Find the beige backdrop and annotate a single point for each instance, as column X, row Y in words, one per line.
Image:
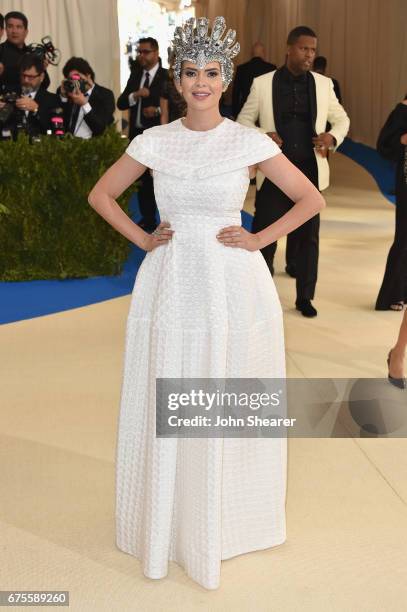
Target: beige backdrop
column 85, row 28
column 365, row 42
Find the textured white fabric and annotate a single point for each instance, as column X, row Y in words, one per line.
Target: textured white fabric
column 199, row 309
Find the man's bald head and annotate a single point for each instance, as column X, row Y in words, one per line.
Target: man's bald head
column 258, row 50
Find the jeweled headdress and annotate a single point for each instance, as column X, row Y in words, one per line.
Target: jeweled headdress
column 196, row 45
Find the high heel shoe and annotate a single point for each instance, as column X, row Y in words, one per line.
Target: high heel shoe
column 397, row 306
column 400, row 383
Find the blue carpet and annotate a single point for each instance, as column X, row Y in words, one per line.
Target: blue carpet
column 382, row 170
column 26, row 300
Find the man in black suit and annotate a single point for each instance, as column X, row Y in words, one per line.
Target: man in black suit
column 12, row 50
column 142, row 97
column 292, row 106
column 35, row 106
column 88, row 107
column 320, row 65
column 245, row 73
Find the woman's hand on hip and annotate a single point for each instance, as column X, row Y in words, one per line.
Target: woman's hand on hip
column 237, row 236
column 161, row 235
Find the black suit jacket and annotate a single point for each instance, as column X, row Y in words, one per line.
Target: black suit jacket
column 10, row 57
column 245, row 73
column 388, row 142
column 133, row 84
column 40, row 121
column 102, row 102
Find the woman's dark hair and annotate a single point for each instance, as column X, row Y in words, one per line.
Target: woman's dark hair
column 1, row 22
column 31, row 60
column 79, row 64
column 299, row 31
column 17, row 15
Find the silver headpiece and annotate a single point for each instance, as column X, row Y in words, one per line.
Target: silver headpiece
column 195, row 45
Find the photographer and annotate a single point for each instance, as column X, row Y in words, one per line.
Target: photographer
column 12, row 50
column 34, row 106
column 88, row 107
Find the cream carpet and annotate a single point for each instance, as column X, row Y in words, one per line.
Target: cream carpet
column 347, row 498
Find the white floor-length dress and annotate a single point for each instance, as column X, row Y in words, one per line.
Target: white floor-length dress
column 199, row 309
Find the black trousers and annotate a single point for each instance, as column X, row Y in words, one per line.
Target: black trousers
column 291, row 250
column 394, row 285
column 303, row 243
column 146, row 197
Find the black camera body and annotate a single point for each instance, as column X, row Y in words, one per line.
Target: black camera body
column 76, row 85
column 9, row 98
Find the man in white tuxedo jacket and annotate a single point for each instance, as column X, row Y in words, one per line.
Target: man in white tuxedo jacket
column 293, row 105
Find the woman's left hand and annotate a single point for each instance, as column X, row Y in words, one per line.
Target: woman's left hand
column 237, row 236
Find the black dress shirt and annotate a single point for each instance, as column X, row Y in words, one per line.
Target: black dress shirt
column 296, row 119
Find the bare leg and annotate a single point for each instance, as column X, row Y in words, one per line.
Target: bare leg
column 399, row 350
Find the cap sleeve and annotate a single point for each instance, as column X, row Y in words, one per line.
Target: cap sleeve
column 140, row 150
column 244, row 147
column 261, row 147
column 170, row 150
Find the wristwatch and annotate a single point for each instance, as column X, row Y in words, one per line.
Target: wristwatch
column 157, row 111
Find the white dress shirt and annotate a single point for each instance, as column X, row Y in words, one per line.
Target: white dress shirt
column 152, row 72
column 31, row 95
column 82, row 130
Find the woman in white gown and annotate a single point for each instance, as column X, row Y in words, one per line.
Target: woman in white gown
column 204, row 305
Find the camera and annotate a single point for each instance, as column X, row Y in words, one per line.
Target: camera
column 75, row 85
column 46, row 50
column 19, row 119
column 10, row 99
column 57, row 123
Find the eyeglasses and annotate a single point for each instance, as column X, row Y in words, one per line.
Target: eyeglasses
column 144, row 51
column 30, row 77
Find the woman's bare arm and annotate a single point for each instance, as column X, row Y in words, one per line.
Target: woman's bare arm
column 308, row 200
column 103, row 199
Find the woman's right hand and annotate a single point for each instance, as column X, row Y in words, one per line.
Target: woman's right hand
column 403, row 139
column 161, row 235
column 277, row 139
